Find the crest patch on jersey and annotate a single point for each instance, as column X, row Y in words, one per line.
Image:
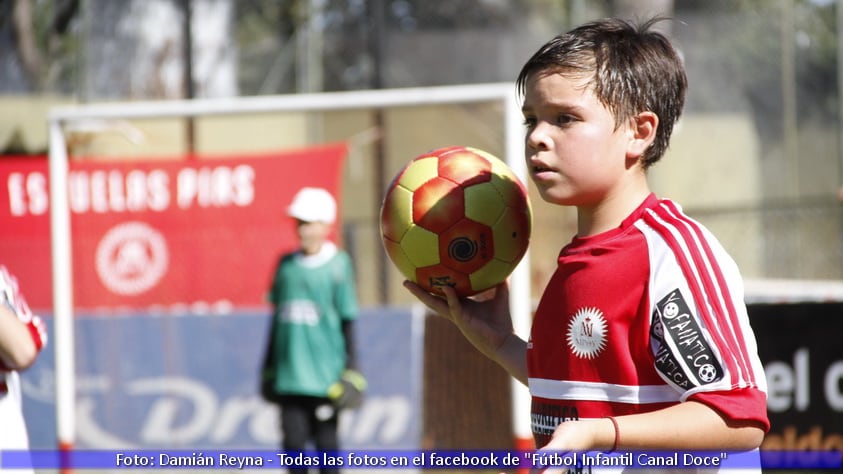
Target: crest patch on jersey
column 587, row 333
column 684, row 356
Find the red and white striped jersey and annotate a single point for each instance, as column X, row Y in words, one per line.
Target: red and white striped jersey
column 639, row 318
column 13, row 434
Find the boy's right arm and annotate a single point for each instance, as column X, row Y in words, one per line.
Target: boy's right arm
column 267, row 369
column 22, row 334
column 486, row 324
column 18, row 348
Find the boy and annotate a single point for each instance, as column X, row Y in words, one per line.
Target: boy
column 641, row 339
column 309, row 363
column 22, row 336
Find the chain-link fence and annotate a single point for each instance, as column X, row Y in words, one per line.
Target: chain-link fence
column 791, row 240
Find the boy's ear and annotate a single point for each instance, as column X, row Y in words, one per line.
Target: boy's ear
column 642, row 133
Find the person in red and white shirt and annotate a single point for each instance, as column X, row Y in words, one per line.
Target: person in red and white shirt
column 22, row 336
column 641, row 340
column 640, row 318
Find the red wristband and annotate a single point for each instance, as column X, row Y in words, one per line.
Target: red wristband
column 617, row 434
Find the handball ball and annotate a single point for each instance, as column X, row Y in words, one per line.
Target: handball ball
column 458, row 217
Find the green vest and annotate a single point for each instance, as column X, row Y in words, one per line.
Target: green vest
column 311, row 295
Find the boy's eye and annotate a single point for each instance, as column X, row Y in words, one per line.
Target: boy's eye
column 564, row 119
column 529, row 122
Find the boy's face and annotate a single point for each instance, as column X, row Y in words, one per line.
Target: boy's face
column 574, row 153
column 311, row 235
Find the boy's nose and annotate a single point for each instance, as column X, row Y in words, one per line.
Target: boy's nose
column 537, row 139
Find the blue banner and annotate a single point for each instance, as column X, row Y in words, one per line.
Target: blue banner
column 150, row 381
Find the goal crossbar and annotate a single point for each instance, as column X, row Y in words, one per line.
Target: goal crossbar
column 381, row 98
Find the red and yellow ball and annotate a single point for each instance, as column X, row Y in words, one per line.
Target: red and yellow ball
column 456, row 216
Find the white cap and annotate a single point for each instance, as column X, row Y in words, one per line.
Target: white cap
column 313, row 205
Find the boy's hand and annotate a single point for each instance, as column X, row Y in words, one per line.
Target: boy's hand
column 347, row 392
column 576, row 436
column 486, row 324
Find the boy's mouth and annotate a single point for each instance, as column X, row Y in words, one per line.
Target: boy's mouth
column 537, row 168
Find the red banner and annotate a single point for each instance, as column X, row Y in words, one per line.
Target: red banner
column 200, row 234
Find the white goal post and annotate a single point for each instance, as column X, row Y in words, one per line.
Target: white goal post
column 60, row 117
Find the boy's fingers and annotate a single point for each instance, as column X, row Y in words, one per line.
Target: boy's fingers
column 451, row 297
column 433, row 302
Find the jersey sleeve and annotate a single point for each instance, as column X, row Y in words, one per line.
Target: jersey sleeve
column 12, row 299
column 702, row 343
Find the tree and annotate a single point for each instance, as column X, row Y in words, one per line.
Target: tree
column 37, row 42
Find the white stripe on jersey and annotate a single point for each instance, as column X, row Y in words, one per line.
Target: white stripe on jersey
column 605, row 392
column 670, row 272
column 710, row 282
column 715, row 285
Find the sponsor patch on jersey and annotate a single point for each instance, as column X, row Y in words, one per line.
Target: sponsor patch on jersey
column 546, row 417
column 684, row 355
column 587, row 333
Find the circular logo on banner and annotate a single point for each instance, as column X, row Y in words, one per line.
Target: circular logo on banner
column 131, row 258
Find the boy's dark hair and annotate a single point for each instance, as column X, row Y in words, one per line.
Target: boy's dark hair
column 634, row 70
